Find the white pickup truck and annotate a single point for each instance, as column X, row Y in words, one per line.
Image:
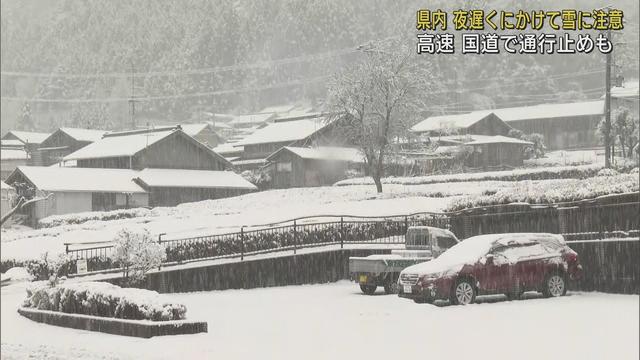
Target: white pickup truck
column 422, row 243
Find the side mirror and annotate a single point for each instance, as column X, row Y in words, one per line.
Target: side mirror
column 489, row 259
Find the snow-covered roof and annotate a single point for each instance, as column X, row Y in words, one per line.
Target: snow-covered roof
column 630, row 89
column 296, row 114
column 496, row 139
column 80, row 179
column 120, row 145
column 251, row 119
column 227, row 148
column 287, row 131
column 545, row 111
column 28, row 137
column 89, row 135
column 194, row 129
column 13, row 154
column 324, row 153
column 250, row 162
column 278, row 109
column 458, row 121
column 15, row 143
column 5, row 186
column 193, row 179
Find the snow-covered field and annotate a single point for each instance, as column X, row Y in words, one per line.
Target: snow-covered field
column 335, row 321
column 227, row 215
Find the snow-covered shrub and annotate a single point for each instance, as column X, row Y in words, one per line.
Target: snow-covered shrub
column 551, row 191
column 259, row 178
column 79, row 218
column 45, row 268
column 137, row 252
column 103, row 299
column 607, row 172
column 635, row 171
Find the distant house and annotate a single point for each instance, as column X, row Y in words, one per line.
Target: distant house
column 476, row 122
column 626, row 96
column 63, row 142
column 77, row 189
column 166, row 148
column 251, row 120
column 488, row 151
column 564, row 126
column 7, row 196
column 229, row 152
column 303, row 167
column 10, row 159
column 204, row 133
column 31, row 140
column 170, row 187
column 273, row 137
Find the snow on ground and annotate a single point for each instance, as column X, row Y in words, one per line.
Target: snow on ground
column 227, row 215
column 335, row 321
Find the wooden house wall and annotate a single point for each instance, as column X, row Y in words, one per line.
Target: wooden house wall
column 209, row 137
column 261, row 151
column 308, row 172
column 496, row 155
column 177, row 152
column 172, row 196
column 564, row 133
column 122, row 162
column 491, row 125
column 288, row 179
column 57, row 139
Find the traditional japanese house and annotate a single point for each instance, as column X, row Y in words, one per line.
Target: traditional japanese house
column 166, row 148
column 73, row 190
column 564, row 126
column 63, row 142
column 488, row 152
column 303, row 167
column 30, row 139
column 476, row 122
column 170, row 187
column 10, row 159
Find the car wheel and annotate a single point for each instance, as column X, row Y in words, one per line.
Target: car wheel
column 391, row 287
column 368, row 289
column 554, row 285
column 464, row 293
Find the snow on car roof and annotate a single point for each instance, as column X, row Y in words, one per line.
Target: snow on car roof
column 288, row 131
column 81, row 179
column 470, row 250
column 457, row 121
column 193, row 179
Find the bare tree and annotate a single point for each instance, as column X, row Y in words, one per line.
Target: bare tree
column 377, row 100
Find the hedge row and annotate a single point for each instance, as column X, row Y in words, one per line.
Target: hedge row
column 284, row 237
column 79, row 218
column 560, row 172
column 550, row 192
column 103, row 299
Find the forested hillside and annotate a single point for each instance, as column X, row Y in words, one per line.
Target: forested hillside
column 241, row 55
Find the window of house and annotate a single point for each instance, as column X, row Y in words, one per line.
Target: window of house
column 283, row 167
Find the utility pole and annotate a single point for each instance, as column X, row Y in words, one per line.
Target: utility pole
column 607, row 109
column 132, row 100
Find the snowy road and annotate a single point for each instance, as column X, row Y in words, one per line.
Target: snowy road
column 334, row 321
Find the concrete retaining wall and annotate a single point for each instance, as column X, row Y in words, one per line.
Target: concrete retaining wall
column 137, row 328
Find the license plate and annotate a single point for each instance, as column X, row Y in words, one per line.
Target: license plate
column 363, row 279
column 407, row 289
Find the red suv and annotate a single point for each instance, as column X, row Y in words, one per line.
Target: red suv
column 493, row 264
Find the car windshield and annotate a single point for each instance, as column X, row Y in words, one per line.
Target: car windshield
column 467, row 251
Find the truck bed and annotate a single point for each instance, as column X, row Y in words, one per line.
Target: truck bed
column 377, row 264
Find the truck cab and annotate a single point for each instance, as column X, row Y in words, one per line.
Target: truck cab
column 422, row 243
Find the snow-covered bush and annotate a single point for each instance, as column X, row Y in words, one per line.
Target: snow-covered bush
column 259, row 178
column 607, row 172
column 79, row 218
column 47, row 268
column 136, row 252
column 635, row 171
column 560, row 172
column 551, row 191
column 103, row 299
